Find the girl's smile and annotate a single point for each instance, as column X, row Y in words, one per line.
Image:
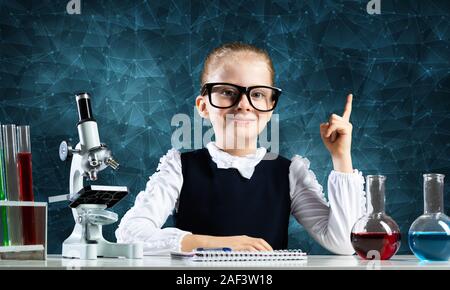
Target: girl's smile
column 240, row 119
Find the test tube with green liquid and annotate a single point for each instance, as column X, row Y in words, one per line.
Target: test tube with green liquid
column 4, row 233
column 12, row 183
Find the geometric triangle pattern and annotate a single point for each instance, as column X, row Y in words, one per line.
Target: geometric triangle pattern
column 141, row 62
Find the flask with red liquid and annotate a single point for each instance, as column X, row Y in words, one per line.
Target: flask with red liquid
column 375, row 235
column 24, row 169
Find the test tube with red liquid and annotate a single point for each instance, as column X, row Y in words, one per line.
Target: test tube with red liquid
column 24, row 169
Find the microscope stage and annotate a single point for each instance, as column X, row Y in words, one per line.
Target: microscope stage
column 99, row 194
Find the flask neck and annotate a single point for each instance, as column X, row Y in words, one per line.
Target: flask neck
column 375, row 190
column 433, row 193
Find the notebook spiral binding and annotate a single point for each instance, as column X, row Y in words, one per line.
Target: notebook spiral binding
column 277, row 255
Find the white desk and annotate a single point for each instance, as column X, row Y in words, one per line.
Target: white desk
column 165, row 262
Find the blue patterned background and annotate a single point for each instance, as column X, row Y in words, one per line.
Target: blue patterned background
column 141, row 62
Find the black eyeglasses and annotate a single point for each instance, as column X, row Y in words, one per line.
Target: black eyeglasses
column 226, row 95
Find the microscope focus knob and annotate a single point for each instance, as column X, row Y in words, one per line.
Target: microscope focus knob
column 65, row 151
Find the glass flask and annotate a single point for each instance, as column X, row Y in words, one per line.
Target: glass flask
column 429, row 235
column 375, row 235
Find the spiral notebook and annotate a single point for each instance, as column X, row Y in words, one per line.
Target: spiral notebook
column 221, row 255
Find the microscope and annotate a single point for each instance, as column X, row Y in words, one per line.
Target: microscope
column 89, row 203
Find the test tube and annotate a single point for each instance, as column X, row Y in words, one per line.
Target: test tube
column 4, row 233
column 24, row 164
column 26, row 183
column 10, row 143
column 12, row 182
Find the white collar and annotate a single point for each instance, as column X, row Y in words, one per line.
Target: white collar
column 244, row 164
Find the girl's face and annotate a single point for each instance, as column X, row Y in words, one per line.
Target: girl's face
column 237, row 127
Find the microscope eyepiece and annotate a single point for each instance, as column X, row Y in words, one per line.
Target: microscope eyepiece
column 84, row 107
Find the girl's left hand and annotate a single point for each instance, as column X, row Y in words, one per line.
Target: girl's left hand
column 337, row 132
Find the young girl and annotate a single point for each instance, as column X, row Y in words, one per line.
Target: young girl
column 234, row 194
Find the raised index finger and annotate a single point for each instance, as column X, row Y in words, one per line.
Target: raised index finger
column 348, row 108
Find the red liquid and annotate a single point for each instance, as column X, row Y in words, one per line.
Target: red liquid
column 386, row 245
column 25, row 176
column 26, row 194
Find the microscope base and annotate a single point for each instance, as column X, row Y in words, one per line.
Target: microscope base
column 87, row 242
column 103, row 248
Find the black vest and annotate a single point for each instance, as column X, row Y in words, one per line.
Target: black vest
column 220, row 202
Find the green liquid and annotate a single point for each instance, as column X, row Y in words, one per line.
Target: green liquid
column 3, row 211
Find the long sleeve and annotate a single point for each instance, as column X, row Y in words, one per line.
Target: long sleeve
column 143, row 222
column 329, row 223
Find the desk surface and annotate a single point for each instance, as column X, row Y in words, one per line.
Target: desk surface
column 166, row 262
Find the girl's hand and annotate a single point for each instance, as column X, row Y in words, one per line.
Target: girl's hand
column 337, row 136
column 237, row 243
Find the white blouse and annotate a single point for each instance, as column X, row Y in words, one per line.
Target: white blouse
column 329, row 223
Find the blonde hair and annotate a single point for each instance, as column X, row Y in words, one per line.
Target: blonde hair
column 231, row 49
